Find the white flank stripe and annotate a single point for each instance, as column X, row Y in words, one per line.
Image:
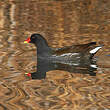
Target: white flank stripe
column 95, row 50
column 94, row 66
column 66, row 54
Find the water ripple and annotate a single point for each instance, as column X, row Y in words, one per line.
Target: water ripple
column 62, row 23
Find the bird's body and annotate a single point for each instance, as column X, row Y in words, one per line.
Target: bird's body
column 74, row 53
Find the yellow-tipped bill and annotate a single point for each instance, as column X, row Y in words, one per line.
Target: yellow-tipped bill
column 28, row 74
column 25, row 42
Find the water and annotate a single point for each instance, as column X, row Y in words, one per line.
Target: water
column 62, row 23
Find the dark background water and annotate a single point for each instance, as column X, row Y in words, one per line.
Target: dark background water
column 62, row 23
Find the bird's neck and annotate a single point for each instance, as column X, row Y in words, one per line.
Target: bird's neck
column 43, row 49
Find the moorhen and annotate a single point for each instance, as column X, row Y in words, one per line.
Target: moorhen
column 74, row 53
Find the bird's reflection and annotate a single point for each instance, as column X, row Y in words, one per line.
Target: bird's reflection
column 43, row 66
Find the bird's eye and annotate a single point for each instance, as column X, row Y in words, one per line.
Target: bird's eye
column 33, row 37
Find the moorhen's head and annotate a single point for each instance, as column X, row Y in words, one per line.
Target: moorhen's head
column 40, row 42
column 35, row 38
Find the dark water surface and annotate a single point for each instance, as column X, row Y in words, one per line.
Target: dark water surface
column 62, row 23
